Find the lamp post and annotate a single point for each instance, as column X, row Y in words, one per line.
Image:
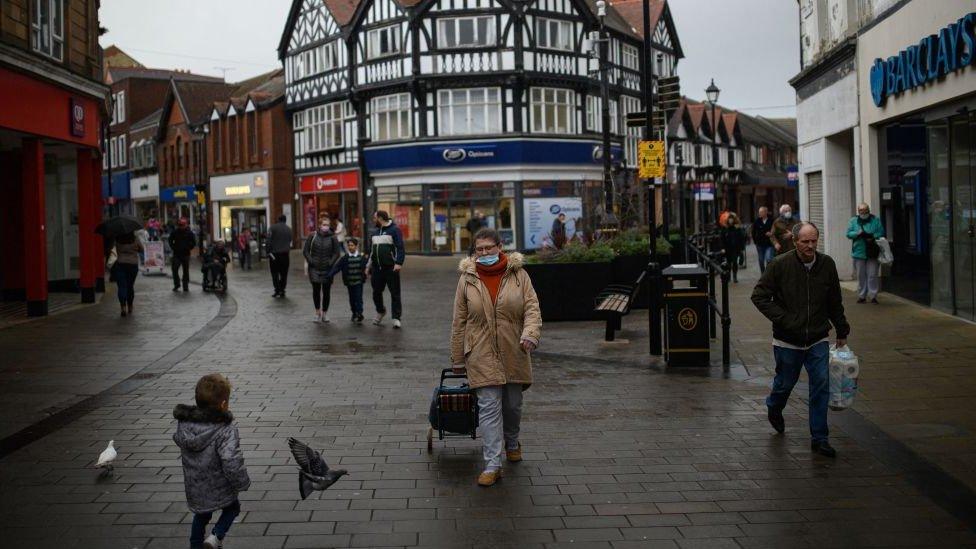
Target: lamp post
column 653, row 267
column 711, row 92
column 609, row 217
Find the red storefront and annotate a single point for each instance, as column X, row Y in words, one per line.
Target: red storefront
column 335, row 193
column 50, row 173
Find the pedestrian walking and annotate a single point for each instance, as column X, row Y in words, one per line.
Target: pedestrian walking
column 339, row 228
column 475, row 224
column 864, row 230
column 733, row 243
column 321, row 251
column 353, row 268
column 497, row 324
column 244, row 249
column 386, row 258
column 279, row 246
column 126, row 269
column 782, row 233
column 182, row 242
column 762, row 229
column 213, row 464
column 800, row 294
column 558, row 231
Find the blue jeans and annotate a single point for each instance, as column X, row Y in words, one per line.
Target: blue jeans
column 789, row 362
column 125, row 277
column 765, row 256
column 200, row 521
column 356, row 298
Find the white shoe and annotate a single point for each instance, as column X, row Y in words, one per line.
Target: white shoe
column 212, row 542
column 325, row 318
column 379, row 319
column 396, row 323
column 318, row 317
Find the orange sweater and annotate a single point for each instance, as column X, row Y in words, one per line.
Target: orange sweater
column 492, row 276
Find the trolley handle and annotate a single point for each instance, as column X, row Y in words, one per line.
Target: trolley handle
column 448, row 373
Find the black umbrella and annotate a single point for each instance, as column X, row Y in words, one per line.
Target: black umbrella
column 123, row 224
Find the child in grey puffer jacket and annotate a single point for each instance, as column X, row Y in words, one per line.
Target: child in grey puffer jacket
column 213, row 464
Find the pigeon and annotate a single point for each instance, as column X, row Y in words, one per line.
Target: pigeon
column 107, row 457
column 315, row 473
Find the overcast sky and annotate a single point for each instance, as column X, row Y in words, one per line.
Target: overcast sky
column 750, row 47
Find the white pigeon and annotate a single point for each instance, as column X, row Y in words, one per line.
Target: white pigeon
column 107, row 457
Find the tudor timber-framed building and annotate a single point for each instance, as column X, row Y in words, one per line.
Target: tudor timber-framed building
column 435, row 110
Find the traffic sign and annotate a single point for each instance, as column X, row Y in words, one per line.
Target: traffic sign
column 650, row 159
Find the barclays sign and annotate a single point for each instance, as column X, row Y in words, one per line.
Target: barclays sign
column 934, row 57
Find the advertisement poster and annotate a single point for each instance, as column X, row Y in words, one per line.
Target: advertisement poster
column 308, row 214
column 155, row 260
column 539, row 214
column 401, row 216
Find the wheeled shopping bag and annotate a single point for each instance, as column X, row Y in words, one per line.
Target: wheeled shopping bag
column 453, row 409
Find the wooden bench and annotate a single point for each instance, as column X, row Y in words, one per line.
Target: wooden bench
column 614, row 302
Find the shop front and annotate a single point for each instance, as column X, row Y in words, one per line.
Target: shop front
column 918, row 125
column 144, row 192
column 440, row 193
column 118, row 193
column 178, row 202
column 240, row 201
column 332, row 193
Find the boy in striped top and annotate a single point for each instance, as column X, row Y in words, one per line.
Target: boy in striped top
column 353, row 267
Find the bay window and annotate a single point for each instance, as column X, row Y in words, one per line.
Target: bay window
column 469, row 111
column 631, row 58
column 553, row 110
column 553, row 34
column 391, row 117
column 321, row 127
column 466, row 32
column 384, row 41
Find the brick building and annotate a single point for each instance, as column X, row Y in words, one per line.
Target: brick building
column 249, row 158
column 51, row 110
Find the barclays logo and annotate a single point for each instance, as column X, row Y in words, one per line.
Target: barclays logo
column 454, row 155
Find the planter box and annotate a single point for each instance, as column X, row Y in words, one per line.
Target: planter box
column 626, row 269
column 566, row 290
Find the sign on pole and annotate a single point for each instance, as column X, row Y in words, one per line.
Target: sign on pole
column 650, row 159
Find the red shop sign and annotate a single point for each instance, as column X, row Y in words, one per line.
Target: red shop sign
column 329, row 182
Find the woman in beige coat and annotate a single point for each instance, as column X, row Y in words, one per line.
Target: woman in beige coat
column 497, row 325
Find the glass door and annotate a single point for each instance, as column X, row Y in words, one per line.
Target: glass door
column 940, row 217
column 964, row 216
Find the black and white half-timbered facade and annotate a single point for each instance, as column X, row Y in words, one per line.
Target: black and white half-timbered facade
column 440, row 110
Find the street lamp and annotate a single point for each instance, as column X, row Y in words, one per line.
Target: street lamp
column 609, row 217
column 711, row 92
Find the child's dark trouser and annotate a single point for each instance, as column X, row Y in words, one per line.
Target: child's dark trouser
column 356, row 298
column 200, row 521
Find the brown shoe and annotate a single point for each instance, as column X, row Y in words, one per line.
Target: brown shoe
column 515, row 455
column 488, row 478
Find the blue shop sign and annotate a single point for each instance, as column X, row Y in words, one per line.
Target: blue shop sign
column 178, row 194
column 792, row 176
column 934, row 57
column 120, row 185
column 491, row 153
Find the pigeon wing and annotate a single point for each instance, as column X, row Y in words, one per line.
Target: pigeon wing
column 308, row 459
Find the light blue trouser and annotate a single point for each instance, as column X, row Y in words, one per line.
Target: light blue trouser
column 867, row 277
column 499, row 416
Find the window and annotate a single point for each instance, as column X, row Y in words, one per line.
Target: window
column 631, row 57
column 594, row 114
column 553, row 34
column 731, row 159
column 150, row 154
column 466, row 32
column 120, row 107
column 321, row 127
column 470, row 111
column 122, row 150
column 384, row 41
column 314, row 61
column 47, row 28
column 218, row 142
column 391, row 117
column 252, row 134
column 553, row 110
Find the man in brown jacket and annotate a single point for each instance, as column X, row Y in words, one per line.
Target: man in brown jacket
column 782, row 233
column 497, row 324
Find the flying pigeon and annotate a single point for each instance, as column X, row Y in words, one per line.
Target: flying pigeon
column 107, row 457
column 315, row 473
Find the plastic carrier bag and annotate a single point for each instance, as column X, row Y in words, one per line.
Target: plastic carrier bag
column 843, row 371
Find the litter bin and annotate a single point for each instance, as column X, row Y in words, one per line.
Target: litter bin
column 686, row 310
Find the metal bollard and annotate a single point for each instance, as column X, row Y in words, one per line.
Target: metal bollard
column 726, row 321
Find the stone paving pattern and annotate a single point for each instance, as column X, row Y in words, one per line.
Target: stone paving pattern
column 618, row 452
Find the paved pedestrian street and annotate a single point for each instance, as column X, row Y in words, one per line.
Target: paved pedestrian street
column 619, row 451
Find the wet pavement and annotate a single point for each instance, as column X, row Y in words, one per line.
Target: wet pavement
column 619, row 452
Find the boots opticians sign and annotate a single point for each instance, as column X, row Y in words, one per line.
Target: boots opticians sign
column 934, row 57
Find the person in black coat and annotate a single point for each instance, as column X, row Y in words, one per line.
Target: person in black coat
column 181, row 242
column 733, row 243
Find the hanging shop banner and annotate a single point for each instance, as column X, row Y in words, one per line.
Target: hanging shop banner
column 704, row 192
column 329, row 182
column 155, row 260
column 539, row 215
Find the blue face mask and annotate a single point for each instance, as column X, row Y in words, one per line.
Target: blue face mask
column 488, row 260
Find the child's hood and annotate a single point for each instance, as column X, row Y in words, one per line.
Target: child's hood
column 198, row 426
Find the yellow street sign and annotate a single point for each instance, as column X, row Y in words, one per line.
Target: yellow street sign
column 650, row 159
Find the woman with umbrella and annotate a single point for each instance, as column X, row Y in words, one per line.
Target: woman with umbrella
column 125, row 265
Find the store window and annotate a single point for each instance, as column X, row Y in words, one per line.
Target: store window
column 466, row 32
column 383, row 42
column 47, row 28
column 553, row 34
column 391, row 117
column 469, row 111
column 553, row 110
column 405, row 206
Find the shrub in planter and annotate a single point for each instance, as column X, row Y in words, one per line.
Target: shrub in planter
column 568, row 280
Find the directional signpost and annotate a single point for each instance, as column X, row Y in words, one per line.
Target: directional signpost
column 651, row 162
